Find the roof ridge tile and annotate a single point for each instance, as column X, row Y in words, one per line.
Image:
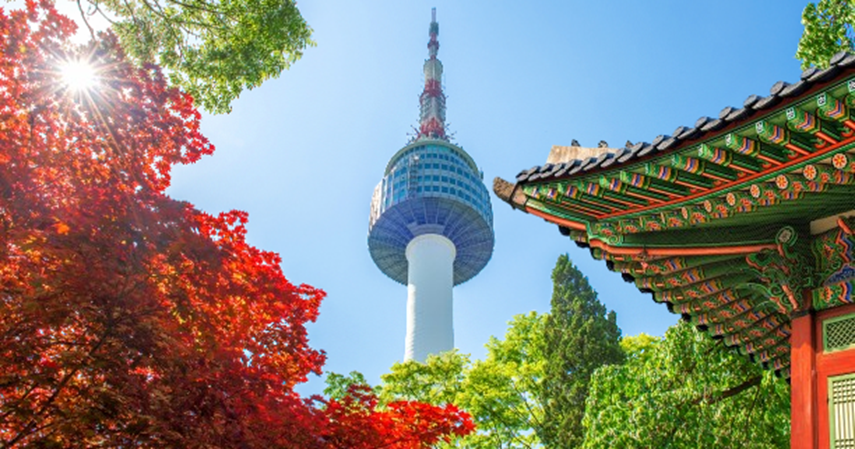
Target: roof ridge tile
column 659, row 139
column 751, row 100
column 809, row 72
column 737, row 114
column 838, row 57
column 849, row 60
column 713, row 125
column 722, row 115
column 794, row 89
column 778, row 87
column 699, row 123
column 824, row 74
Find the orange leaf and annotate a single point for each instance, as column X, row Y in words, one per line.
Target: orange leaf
column 62, row 228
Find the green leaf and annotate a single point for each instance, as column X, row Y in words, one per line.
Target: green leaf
column 828, row 30
column 212, row 49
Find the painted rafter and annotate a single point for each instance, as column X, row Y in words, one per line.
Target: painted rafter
column 689, row 276
column 667, row 265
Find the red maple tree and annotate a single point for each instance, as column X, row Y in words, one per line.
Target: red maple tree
column 130, row 319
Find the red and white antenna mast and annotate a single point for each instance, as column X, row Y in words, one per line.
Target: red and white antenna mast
column 432, row 100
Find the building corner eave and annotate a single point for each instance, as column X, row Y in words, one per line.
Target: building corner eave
column 509, row 193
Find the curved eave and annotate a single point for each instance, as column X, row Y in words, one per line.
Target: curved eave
column 695, row 218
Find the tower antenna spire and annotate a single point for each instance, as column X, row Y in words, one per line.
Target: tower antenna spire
column 432, row 99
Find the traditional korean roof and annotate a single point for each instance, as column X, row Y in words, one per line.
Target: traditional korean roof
column 715, row 220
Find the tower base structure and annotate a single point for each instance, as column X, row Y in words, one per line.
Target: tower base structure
column 429, row 296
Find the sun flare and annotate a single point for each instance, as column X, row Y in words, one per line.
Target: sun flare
column 78, row 75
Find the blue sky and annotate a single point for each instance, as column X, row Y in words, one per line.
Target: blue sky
column 303, row 153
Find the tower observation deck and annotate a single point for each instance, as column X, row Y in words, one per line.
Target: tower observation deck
column 431, row 222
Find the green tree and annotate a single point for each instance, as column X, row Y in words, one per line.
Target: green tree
column 530, row 390
column 579, row 337
column 686, row 391
column 828, row 30
column 635, row 345
column 500, row 392
column 339, row 385
column 211, row 49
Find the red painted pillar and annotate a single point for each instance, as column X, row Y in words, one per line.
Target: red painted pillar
column 803, row 406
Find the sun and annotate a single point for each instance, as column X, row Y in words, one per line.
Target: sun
column 78, row 75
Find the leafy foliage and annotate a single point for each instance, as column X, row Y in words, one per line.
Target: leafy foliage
column 635, row 345
column 340, row 386
column 499, row 392
column 212, row 49
column 686, row 391
column 530, row 390
column 828, row 30
column 579, row 337
column 129, row 319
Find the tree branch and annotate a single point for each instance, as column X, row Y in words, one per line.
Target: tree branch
column 730, row 392
column 85, row 20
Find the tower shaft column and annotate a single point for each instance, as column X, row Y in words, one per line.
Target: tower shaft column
column 429, row 296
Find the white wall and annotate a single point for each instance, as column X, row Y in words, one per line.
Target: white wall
column 429, row 296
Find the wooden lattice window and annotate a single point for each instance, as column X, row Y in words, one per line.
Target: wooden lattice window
column 841, row 411
column 839, row 333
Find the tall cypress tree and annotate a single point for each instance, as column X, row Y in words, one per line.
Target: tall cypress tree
column 580, row 336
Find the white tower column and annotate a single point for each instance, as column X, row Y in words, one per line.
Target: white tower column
column 429, row 299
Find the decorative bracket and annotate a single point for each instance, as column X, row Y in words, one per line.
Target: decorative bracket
column 834, row 251
column 785, row 272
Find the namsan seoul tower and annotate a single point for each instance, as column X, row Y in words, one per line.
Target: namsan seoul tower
column 431, row 223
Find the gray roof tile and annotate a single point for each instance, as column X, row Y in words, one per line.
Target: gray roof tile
column 848, row 61
column 767, row 102
column 838, row 57
column 712, row 125
column 633, row 152
column 648, row 148
column 722, row 115
column 753, row 103
column 566, row 167
column 794, row 89
column 809, row 72
column 824, row 74
column 614, row 157
column 738, row 114
column 688, row 133
column 593, row 162
column 679, row 130
column 523, row 175
column 578, row 167
column 751, row 100
column 699, row 123
column 659, row 139
column 778, row 87
column 667, row 143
